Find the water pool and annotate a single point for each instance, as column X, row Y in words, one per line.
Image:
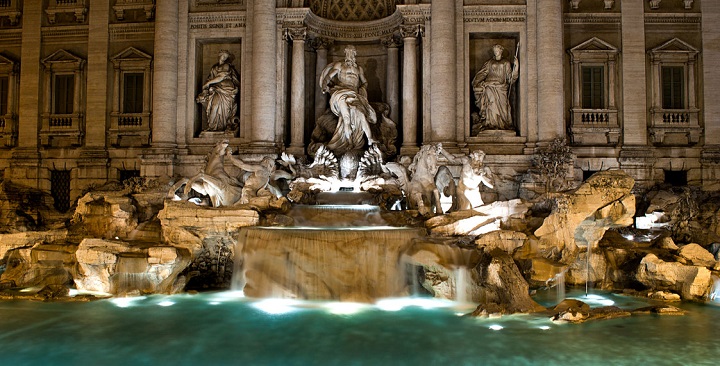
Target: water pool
column 223, row 329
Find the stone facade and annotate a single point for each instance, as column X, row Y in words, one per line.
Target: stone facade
column 100, row 90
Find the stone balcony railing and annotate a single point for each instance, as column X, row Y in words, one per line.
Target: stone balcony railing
column 129, row 129
column 8, row 133
column 675, row 127
column 594, row 127
column 78, row 8
column 11, row 9
column 121, row 6
column 61, row 129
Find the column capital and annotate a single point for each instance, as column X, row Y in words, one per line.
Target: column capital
column 392, row 41
column 412, row 30
column 296, row 33
column 319, row 43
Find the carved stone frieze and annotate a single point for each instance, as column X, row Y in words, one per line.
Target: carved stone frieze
column 341, row 30
column 592, row 18
column 292, row 17
column 499, row 14
column 132, row 31
column 414, row 14
column 672, row 18
column 217, row 20
column 218, row 3
column 65, row 33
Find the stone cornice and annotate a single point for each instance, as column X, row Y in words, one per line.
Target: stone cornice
column 673, row 18
column 217, row 20
column 593, row 18
column 210, row 4
column 494, row 14
column 10, row 36
column 292, row 17
column 132, row 31
column 354, row 31
column 415, row 14
column 71, row 33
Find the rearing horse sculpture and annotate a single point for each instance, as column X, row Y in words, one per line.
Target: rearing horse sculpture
column 213, row 181
column 423, row 194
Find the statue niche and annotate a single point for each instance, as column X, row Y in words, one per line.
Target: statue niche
column 219, row 95
column 351, row 123
column 491, row 87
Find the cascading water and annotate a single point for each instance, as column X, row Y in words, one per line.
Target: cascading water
column 715, row 292
column 322, row 262
column 461, row 283
column 560, row 286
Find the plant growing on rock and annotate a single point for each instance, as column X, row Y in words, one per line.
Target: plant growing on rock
column 552, row 163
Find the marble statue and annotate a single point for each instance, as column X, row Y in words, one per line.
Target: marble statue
column 491, row 86
column 213, row 181
column 258, row 178
column 219, row 93
column 472, row 174
column 422, row 192
column 345, row 81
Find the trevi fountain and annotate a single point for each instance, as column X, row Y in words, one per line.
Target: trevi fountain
column 363, row 246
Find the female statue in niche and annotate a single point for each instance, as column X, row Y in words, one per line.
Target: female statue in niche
column 219, row 93
column 491, row 87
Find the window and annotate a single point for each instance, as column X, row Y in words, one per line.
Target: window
column 60, row 189
column 63, row 100
column 594, row 115
column 63, row 92
column 674, row 110
column 133, row 92
column 130, row 118
column 672, row 87
column 593, row 87
column 4, row 95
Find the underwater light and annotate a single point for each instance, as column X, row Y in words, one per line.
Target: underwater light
column 597, row 299
column 496, row 327
column 125, row 302
column 544, row 327
column 396, row 304
column 276, row 306
column 214, row 303
column 166, row 303
column 345, row 308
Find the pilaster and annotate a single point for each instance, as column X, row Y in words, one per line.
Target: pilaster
column 711, row 88
column 409, row 101
column 297, row 91
column 264, row 76
column 443, row 65
column 550, row 116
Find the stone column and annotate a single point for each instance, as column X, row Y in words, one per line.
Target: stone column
column 392, row 82
column 297, row 91
column 409, row 91
column 24, row 167
column 711, row 88
column 635, row 157
column 264, row 76
column 93, row 161
column 321, row 46
column 442, row 73
column 551, row 116
column 158, row 161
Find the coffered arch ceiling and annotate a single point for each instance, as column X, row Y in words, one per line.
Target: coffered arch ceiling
column 353, row 10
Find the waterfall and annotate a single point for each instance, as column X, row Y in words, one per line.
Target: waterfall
column 715, row 291
column 337, row 216
column 560, row 286
column 587, row 270
column 358, row 264
column 462, row 280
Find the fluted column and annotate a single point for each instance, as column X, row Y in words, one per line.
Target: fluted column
column 165, row 75
column 263, row 75
column 550, row 79
column 409, row 91
column 442, row 72
column 297, row 91
column 321, row 46
column 392, row 81
column 711, row 89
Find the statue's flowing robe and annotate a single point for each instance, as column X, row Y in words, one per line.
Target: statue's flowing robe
column 491, row 86
column 349, row 134
column 221, row 106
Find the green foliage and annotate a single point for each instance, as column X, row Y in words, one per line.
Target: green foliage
column 553, row 161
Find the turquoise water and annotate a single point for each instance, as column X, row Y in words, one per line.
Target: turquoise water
column 222, row 329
